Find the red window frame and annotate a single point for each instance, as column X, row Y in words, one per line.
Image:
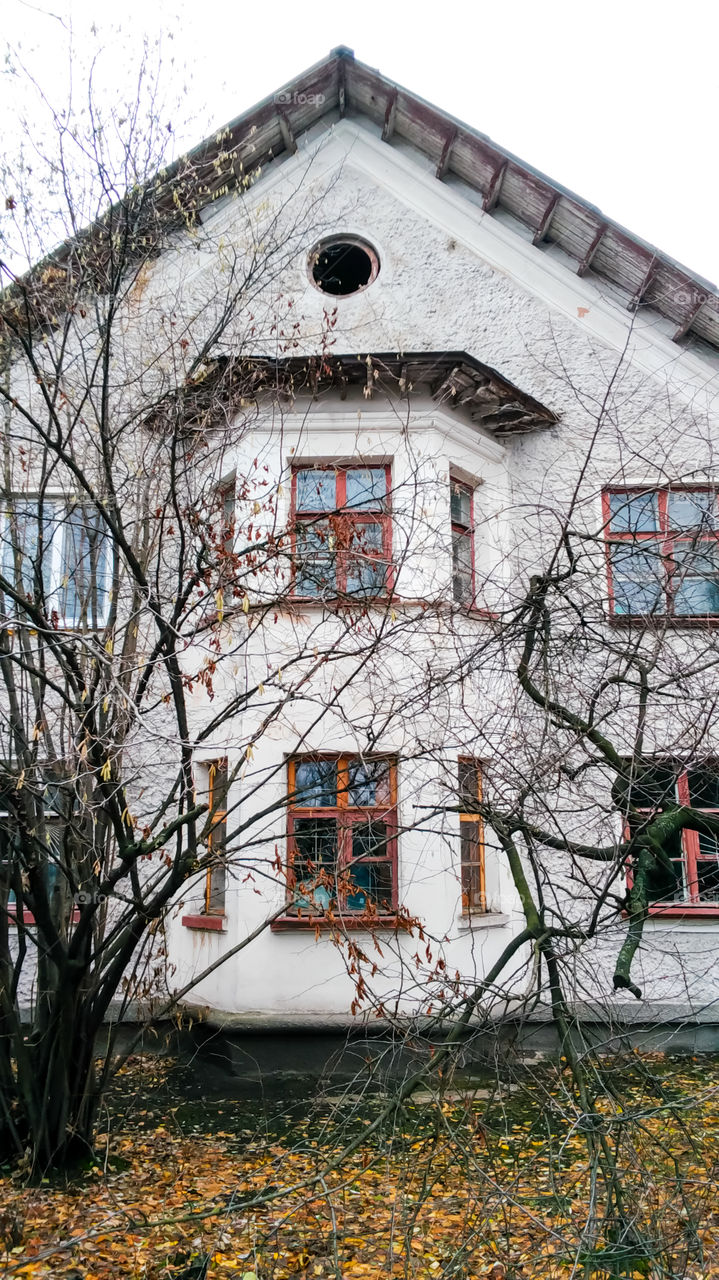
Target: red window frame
column 347, row 816
column 471, row 830
column 343, row 522
column 691, row 855
column 664, row 535
column 465, row 531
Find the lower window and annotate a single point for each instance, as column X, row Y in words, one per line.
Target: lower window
column 213, row 789
column 692, row 876
column 342, row 835
column 474, row 896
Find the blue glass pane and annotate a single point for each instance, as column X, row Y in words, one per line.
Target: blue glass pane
column 315, row 569
column 366, row 571
column 20, row 533
column 638, row 578
column 85, row 569
column 316, row 490
column 461, row 505
column 696, row 578
column 316, row 784
column 692, row 510
column 633, row 512
column 366, row 488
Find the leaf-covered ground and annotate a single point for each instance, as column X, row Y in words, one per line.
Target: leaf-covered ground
column 461, row 1181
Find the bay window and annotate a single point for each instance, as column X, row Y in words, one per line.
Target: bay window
column 342, row 531
column 461, row 503
column 342, row 836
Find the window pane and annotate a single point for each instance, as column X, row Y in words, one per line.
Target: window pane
column 369, row 840
column 638, row 578
column 708, row 879
column 471, row 863
column 469, row 785
column 704, row 788
column 369, row 782
column 20, row 530
column 692, row 510
column 652, row 788
column 315, row 784
column 462, row 567
column 366, row 488
column 316, row 490
column 85, row 569
column 460, row 505
column 633, row 512
column 216, row 885
column 695, row 581
column 667, row 884
column 315, row 567
column 366, row 570
column 372, row 883
column 315, row 862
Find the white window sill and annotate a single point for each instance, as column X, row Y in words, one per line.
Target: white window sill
column 483, row 920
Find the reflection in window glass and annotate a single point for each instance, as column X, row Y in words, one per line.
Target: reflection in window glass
column 316, row 490
column 633, row 512
column 316, row 784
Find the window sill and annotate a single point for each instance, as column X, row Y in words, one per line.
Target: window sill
column 671, row 621
column 211, row 924
column 693, row 910
column 483, row 920
column 363, row 924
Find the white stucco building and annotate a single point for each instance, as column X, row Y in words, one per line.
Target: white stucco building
column 497, row 361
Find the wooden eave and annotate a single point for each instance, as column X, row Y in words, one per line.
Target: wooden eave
column 453, row 379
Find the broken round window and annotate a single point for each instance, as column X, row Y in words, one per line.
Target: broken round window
column 343, row 265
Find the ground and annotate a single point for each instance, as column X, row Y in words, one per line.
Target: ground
column 466, row 1180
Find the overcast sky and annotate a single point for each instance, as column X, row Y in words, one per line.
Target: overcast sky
column 616, row 100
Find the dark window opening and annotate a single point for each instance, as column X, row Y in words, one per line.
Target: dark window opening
column 342, row 267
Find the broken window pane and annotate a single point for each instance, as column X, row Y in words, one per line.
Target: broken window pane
column 368, row 782
column 315, row 784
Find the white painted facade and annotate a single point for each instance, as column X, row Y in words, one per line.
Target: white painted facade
column 452, row 278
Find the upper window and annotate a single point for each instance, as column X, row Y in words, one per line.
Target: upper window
column 59, row 557
column 663, row 552
column 474, row 897
column 342, row 829
column 692, row 874
column 342, row 531
column 461, row 503
column 343, row 265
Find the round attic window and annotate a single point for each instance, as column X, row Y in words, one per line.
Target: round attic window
column 343, row 265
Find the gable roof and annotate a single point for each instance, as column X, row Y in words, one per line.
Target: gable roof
column 341, row 86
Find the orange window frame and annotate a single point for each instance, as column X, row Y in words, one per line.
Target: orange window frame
column 347, row 816
column 342, row 524
column 217, row 838
column 667, row 538
column 471, row 830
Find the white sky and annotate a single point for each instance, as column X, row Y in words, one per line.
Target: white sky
column 616, row 99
